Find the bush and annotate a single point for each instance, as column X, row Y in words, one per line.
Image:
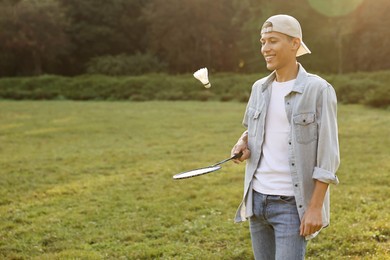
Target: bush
column 371, row 89
column 352, row 91
column 125, row 65
column 379, row 97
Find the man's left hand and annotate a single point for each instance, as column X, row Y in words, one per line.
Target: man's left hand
column 311, row 221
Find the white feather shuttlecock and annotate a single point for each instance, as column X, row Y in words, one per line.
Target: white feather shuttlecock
column 202, row 76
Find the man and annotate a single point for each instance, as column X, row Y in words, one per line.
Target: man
column 291, row 148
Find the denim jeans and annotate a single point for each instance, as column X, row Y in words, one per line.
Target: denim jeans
column 274, row 228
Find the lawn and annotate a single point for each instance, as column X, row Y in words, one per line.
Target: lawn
column 93, row 180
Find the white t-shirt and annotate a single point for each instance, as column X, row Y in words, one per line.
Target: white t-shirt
column 273, row 175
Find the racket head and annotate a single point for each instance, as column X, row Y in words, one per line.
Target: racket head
column 196, row 172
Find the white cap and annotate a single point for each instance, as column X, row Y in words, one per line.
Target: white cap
column 287, row 25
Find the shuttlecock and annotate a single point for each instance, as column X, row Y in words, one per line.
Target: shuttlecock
column 202, row 76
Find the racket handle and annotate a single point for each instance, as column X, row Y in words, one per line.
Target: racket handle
column 228, row 159
column 236, row 156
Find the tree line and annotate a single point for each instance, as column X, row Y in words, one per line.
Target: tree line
column 119, row 37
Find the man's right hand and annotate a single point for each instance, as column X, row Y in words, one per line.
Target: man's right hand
column 241, row 146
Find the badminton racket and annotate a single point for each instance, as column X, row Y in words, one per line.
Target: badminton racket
column 204, row 170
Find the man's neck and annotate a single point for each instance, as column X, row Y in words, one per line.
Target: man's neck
column 287, row 73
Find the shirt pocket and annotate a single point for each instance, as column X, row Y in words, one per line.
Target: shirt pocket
column 253, row 120
column 305, row 127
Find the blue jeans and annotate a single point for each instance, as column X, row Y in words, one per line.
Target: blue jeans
column 275, row 228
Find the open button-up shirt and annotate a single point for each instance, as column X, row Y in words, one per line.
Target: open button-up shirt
column 311, row 109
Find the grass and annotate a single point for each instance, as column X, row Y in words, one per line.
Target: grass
column 93, row 180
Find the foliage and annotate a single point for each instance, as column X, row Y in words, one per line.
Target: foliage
column 93, row 180
column 369, row 38
column 125, row 65
column 32, row 35
column 370, row 88
column 100, row 28
column 62, row 36
column 379, row 97
column 192, row 34
column 136, row 88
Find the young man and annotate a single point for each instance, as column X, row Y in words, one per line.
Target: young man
column 291, row 147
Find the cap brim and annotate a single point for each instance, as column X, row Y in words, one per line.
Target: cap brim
column 303, row 50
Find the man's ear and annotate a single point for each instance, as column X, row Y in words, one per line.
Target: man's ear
column 296, row 43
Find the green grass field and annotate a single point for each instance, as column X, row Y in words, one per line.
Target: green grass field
column 93, row 180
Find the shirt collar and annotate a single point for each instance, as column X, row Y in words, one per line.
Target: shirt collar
column 299, row 82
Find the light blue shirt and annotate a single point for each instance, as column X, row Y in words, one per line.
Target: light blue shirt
column 311, row 109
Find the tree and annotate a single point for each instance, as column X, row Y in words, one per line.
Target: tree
column 192, row 34
column 100, row 28
column 62, row 36
column 32, row 35
column 368, row 47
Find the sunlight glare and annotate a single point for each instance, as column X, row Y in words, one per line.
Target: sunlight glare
column 334, row 8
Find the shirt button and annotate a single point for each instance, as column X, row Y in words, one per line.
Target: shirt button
column 300, row 206
column 293, row 164
column 289, row 143
column 296, row 185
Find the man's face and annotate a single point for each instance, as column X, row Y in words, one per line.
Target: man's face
column 278, row 50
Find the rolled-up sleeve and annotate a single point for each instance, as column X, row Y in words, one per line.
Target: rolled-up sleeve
column 325, row 176
column 328, row 155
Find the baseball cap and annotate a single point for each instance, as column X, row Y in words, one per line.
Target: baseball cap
column 288, row 25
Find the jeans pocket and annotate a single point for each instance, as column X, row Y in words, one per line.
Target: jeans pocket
column 287, row 199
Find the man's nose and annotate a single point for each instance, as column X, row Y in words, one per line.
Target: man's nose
column 265, row 48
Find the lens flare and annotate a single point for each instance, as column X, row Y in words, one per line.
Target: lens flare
column 333, row 8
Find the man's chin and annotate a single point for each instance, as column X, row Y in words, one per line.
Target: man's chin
column 270, row 67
